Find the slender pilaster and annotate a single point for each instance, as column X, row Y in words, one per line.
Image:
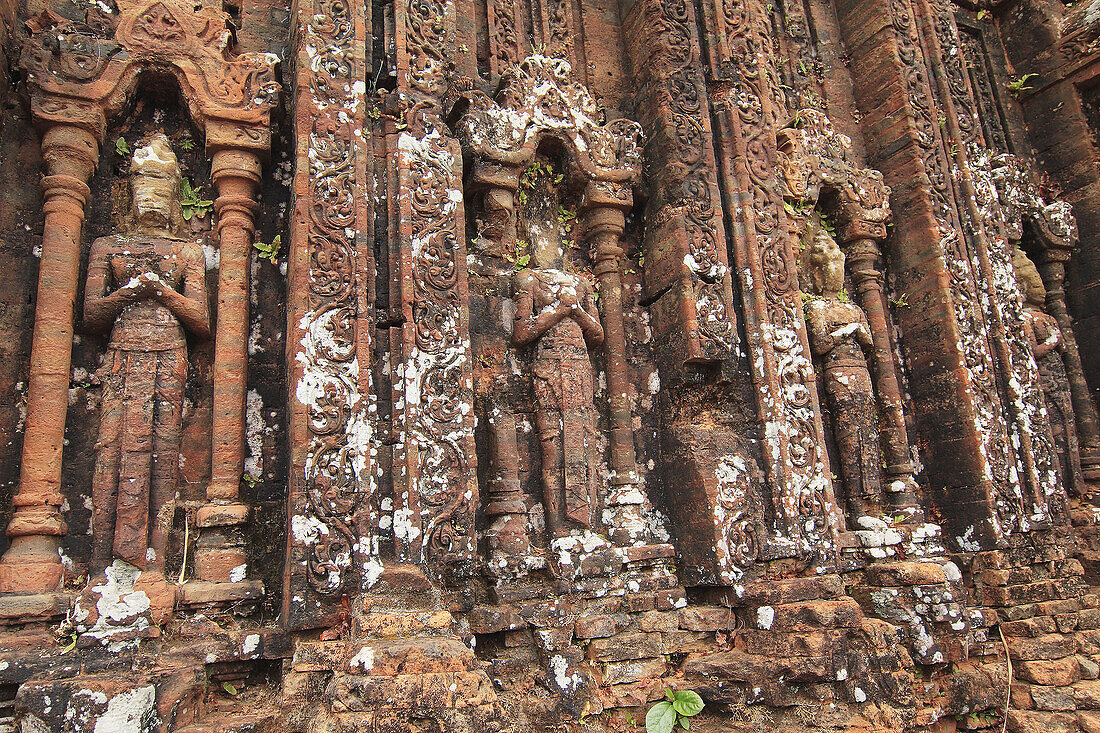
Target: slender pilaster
column 32, row 563
column 604, row 226
column 865, row 267
column 220, row 554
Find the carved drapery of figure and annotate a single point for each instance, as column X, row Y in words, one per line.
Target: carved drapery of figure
column 79, row 76
column 147, row 287
column 1048, row 347
column 542, row 100
column 841, row 338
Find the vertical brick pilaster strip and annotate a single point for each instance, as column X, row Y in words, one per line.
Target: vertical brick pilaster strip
column 955, row 403
column 434, row 459
column 331, row 550
column 686, row 270
column 750, row 106
column 1025, row 472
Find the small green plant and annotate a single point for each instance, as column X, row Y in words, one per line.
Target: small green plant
column 121, row 147
column 842, row 296
column 251, row 480
column 982, row 719
column 229, row 688
column 1018, row 86
column 901, row 301
column 269, row 251
column 71, row 645
column 192, row 201
column 985, row 15
column 186, row 143
column 678, row 707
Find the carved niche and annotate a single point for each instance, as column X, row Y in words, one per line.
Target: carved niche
column 820, row 176
column 551, row 184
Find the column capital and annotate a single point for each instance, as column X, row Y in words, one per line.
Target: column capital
column 70, row 152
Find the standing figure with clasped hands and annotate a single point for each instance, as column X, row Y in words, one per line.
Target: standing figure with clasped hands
column 1047, row 346
column 557, row 310
column 147, row 287
column 841, row 338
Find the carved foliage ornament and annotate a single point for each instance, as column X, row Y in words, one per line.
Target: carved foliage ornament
column 338, row 479
column 539, row 96
column 436, row 495
column 813, row 156
column 70, row 64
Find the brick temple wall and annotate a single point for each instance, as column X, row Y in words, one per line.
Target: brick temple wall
column 593, row 349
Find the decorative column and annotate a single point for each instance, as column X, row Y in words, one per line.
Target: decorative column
column 32, row 563
column 1052, row 268
column 865, row 268
column 220, row 551
column 604, row 220
column 507, row 534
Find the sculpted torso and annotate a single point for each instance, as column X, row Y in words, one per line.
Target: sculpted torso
column 149, row 278
column 555, row 307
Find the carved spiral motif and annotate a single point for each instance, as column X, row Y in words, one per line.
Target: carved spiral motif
column 335, row 492
column 760, row 105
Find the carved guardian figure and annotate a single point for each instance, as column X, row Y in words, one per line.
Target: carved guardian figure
column 1047, row 346
column 556, row 310
column 146, row 287
column 841, row 338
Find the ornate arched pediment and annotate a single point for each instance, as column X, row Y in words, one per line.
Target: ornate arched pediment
column 1021, row 200
column 813, row 157
column 538, row 98
column 82, row 73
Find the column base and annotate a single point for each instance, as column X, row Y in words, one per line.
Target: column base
column 220, row 555
column 22, row 608
column 32, row 565
column 195, row 593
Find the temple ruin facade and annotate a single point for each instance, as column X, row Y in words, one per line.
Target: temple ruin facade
column 513, row 366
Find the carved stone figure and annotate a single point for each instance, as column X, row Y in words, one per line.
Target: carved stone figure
column 841, row 338
column 556, row 310
column 1047, row 346
column 147, row 288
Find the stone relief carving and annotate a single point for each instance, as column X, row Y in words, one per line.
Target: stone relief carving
column 556, row 312
column 841, row 338
column 1048, row 347
column 817, row 167
column 1054, row 230
column 79, row 75
column 147, row 288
